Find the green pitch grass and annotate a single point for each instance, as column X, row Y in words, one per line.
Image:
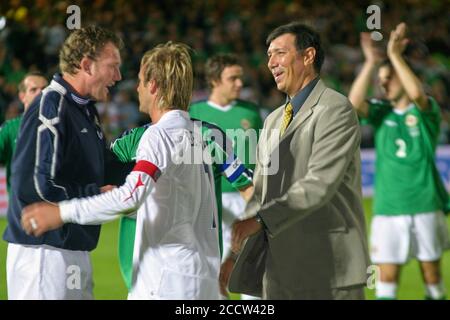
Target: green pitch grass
column 109, row 285
column 108, row 282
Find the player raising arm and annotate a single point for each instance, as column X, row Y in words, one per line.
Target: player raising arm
column 409, row 194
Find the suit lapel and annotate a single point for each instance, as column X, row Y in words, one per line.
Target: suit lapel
column 272, row 135
column 268, row 141
column 272, row 139
column 307, row 109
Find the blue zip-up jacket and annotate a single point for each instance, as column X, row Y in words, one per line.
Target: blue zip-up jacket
column 59, row 155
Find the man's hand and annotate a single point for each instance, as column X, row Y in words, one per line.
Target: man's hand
column 241, row 230
column 247, row 192
column 41, row 217
column 225, row 273
column 397, row 41
column 371, row 53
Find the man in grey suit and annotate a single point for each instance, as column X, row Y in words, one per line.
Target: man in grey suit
column 305, row 231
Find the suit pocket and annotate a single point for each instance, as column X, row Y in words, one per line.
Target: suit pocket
column 325, row 220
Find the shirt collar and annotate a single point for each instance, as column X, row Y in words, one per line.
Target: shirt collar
column 299, row 99
column 402, row 112
column 61, row 85
column 221, row 108
column 174, row 113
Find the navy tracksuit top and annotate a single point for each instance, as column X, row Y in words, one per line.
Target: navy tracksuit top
column 60, row 154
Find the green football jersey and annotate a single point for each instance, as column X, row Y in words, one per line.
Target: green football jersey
column 225, row 164
column 235, row 119
column 8, row 136
column 405, row 144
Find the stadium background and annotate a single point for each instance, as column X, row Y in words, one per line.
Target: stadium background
column 31, row 33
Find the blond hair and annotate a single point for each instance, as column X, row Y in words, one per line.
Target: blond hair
column 170, row 66
column 85, row 42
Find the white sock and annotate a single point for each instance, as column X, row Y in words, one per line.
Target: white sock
column 386, row 290
column 435, row 291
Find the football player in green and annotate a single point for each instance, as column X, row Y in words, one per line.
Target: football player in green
column 410, row 199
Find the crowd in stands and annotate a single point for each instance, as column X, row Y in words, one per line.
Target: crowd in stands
column 31, row 33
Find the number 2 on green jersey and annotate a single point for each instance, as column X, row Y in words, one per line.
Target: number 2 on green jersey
column 401, row 151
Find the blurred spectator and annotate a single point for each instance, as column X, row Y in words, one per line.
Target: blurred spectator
column 129, row 110
column 34, row 31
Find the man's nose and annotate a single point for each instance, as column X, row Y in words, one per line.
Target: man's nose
column 118, row 75
column 271, row 63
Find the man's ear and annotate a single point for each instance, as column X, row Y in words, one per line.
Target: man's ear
column 21, row 96
column 309, row 55
column 152, row 86
column 86, row 65
column 215, row 83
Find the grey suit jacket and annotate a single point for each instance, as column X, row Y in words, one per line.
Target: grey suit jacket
column 308, row 193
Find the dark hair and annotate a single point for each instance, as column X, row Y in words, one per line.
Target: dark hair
column 304, row 37
column 216, row 64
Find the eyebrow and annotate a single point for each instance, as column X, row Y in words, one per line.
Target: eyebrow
column 36, row 87
column 275, row 50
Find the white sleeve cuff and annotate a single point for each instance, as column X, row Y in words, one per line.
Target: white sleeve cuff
column 67, row 211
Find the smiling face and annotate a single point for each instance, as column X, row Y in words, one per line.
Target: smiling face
column 230, row 84
column 286, row 64
column 104, row 72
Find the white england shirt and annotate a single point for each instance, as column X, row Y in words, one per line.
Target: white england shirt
column 176, row 251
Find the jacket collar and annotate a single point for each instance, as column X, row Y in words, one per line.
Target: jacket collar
column 62, row 86
column 299, row 99
column 307, row 109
